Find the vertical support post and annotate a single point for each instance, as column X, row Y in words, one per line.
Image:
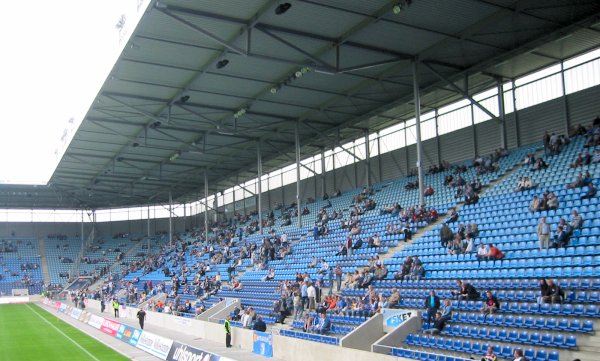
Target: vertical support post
column 259, row 195
column 323, row 184
column 417, row 95
column 148, row 229
column 367, row 159
column 379, row 157
column 82, row 229
column 502, row 113
column 148, row 222
column 565, row 99
column 516, row 113
column 298, row 198
column 93, row 224
column 205, row 206
column 437, row 136
column 170, row 220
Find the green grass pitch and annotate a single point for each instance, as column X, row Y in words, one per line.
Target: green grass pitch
column 28, row 332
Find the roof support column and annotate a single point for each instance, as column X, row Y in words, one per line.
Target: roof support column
column 298, row 198
column 516, row 113
column 417, row 95
column 82, row 229
column 170, row 220
column 565, row 99
column 259, row 195
column 148, row 224
column 502, row 113
column 205, row 206
column 367, row 159
column 323, row 184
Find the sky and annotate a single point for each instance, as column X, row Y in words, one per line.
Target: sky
column 55, row 57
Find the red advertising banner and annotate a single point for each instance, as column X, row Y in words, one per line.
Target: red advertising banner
column 110, row 327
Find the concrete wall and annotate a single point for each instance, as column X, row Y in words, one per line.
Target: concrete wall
column 285, row 348
column 364, row 335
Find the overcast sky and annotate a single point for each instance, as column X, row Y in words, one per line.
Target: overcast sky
column 55, row 57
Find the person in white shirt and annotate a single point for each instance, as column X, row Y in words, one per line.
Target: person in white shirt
column 470, row 243
column 246, row 319
column 311, row 291
column 482, row 251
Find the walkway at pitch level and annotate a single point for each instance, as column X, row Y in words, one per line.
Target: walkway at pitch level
column 139, row 355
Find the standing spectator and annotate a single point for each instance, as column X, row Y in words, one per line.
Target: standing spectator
column 490, row 304
column 432, row 304
column 227, row 332
column 311, row 292
column 338, row 277
column 141, row 316
column 298, row 306
column 446, row 235
column 115, row 305
column 543, row 233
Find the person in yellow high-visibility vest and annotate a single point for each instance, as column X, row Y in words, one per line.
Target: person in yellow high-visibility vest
column 115, row 305
column 227, row 332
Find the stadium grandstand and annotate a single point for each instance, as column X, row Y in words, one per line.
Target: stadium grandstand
column 327, row 179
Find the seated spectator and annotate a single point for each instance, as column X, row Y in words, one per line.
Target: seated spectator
column 469, row 244
column 381, row 272
column 466, row 291
column 455, row 247
column 417, row 272
column 524, row 184
column 452, row 215
column 259, row 325
column 438, row 325
column 428, row 191
column 269, row 276
column 394, row 299
column 494, row 253
column 577, row 183
column 591, row 192
column 490, row 355
column 529, row 159
column 540, row 164
column 596, row 157
column 552, row 201
column 534, row 206
column 308, row 323
column 323, row 326
column 472, row 229
column 561, row 238
column 490, row 304
column 313, row 262
column 544, row 292
column 578, row 162
column 447, row 310
column 476, row 185
column 576, row 220
column 555, row 293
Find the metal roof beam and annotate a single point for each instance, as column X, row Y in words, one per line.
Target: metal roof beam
column 288, row 156
column 462, row 92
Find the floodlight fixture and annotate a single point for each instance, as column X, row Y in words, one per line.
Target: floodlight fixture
column 222, row 63
column 282, row 8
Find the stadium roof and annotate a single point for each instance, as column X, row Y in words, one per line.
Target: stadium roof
column 200, row 83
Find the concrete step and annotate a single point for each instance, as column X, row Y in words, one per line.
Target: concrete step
column 44, row 261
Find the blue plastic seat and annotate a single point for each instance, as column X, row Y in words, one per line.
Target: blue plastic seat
column 559, row 340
